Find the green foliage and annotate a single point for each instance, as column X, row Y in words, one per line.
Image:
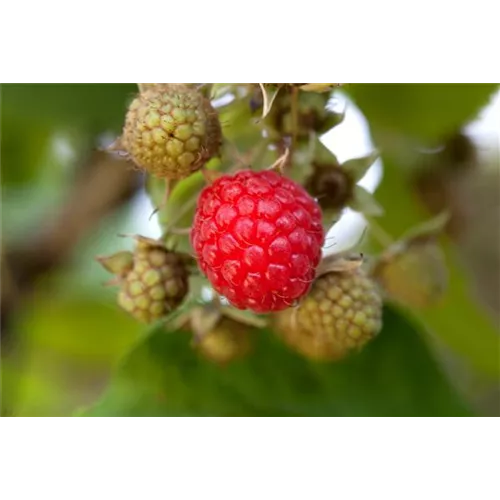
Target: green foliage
column 415, row 111
column 398, row 116
column 65, row 350
column 458, row 320
column 394, row 376
column 24, row 147
column 93, row 107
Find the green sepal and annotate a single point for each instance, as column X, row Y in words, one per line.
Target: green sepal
column 364, row 202
column 357, row 167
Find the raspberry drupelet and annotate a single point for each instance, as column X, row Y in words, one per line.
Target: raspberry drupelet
column 258, row 237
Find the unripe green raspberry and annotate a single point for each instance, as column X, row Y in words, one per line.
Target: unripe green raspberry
column 156, row 282
column 220, row 334
column 341, row 314
column 413, row 273
column 227, row 341
column 171, row 130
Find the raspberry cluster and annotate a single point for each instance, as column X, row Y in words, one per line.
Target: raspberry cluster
column 257, row 235
column 258, row 239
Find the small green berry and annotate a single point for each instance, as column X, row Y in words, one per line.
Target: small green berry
column 171, row 130
column 154, row 284
column 342, row 312
column 226, row 342
column 413, row 273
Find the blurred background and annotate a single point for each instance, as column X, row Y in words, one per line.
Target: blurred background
column 64, row 201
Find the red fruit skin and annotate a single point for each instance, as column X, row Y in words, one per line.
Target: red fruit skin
column 258, row 239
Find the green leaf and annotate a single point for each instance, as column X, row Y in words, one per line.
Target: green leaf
column 218, row 90
column 96, row 107
column 394, row 376
column 24, row 148
column 239, row 125
column 421, row 111
column 66, row 349
column 459, row 320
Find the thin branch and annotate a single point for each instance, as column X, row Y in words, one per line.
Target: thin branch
column 102, row 185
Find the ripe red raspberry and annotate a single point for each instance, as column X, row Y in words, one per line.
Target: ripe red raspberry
column 258, row 239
